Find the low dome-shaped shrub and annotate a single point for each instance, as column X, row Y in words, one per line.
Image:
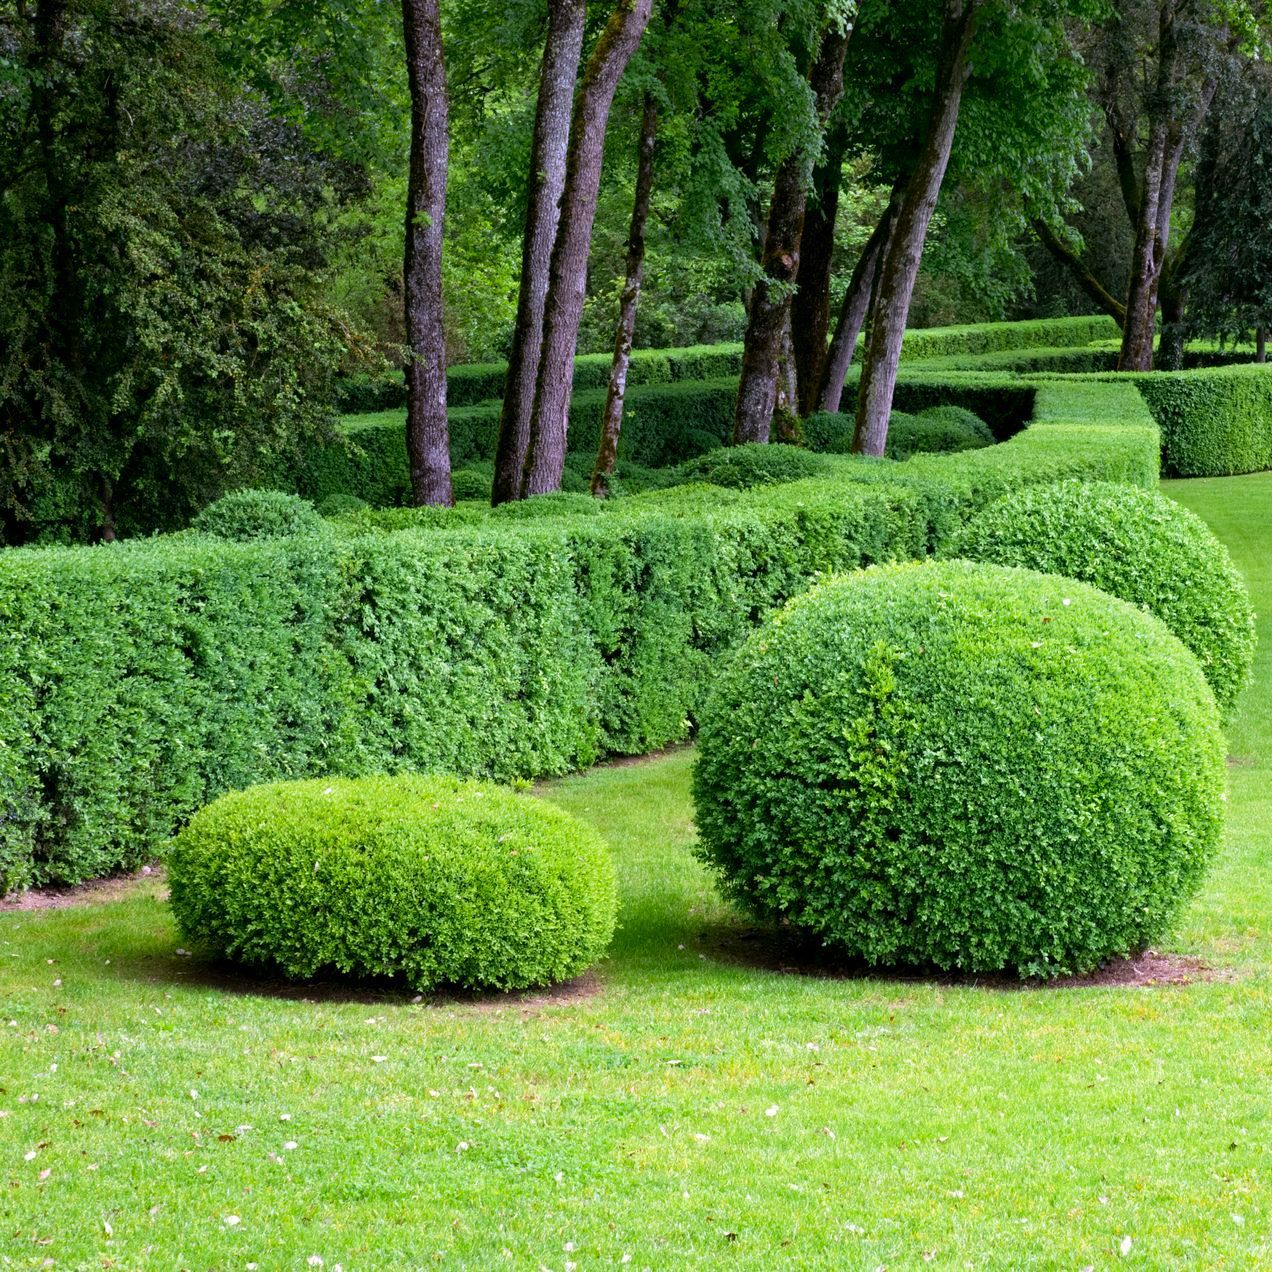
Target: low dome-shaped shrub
column 1138, row 545
column 258, row 514
column 965, row 421
column 753, row 464
column 829, row 433
column 433, row 879
column 962, row 766
column 473, row 481
column 940, row 430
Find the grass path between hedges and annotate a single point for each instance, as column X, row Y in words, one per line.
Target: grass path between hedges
column 693, row 1108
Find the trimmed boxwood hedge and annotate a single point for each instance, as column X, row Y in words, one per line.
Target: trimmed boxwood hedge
column 1139, row 546
column 140, row 680
column 471, row 383
column 962, row 766
column 438, row 881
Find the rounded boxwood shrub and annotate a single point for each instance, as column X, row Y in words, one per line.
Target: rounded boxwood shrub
column 433, row 879
column 752, row 464
column 258, row 514
column 941, row 430
column 1138, row 545
column 960, row 418
column 962, row 766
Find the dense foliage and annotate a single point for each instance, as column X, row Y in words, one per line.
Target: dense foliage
column 431, row 879
column 1137, row 545
column 140, row 682
column 259, row 514
column 164, row 246
column 962, row 766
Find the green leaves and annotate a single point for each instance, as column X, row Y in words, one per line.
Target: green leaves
column 436, row 880
column 962, row 766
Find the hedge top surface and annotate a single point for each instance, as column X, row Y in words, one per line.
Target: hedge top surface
column 963, row 766
column 435, row 879
column 1138, row 545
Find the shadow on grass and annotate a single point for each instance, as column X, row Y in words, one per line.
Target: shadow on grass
column 195, row 972
column 788, row 953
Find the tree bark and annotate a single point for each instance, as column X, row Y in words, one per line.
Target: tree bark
column 612, row 418
column 810, row 306
column 904, row 252
column 1081, row 273
column 852, row 313
column 557, row 74
column 1165, row 151
column 1170, row 346
column 550, row 420
column 427, row 434
column 770, row 302
column 1261, row 345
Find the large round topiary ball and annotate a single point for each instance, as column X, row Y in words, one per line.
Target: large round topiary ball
column 1138, row 545
column 962, row 766
column 432, row 879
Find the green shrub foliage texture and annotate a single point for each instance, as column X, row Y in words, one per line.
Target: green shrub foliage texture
column 1140, row 546
column 962, row 766
column 432, row 879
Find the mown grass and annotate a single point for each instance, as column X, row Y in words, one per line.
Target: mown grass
column 696, row 1106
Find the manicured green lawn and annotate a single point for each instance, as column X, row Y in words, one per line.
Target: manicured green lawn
column 693, row 1109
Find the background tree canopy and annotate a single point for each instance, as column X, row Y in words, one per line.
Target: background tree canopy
column 202, row 207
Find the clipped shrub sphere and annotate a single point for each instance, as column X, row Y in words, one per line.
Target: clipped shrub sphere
column 1140, row 546
column 258, row 514
column 752, row 464
column 939, row 430
column 432, row 879
column 962, row 766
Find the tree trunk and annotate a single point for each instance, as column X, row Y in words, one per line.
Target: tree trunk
column 612, row 419
column 1165, row 151
column 810, row 306
column 1170, row 345
column 550, row 420
column 904, row 252
column 1082, row 275
column 1261, row 345
column 559, row 70
column 427, row 434
column 852, row 313
column 770, row 302
column 1146, row 263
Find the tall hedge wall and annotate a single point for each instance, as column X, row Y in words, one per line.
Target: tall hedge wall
column 140, row 679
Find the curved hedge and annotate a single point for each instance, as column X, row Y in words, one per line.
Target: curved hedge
column 140, row 680
column 1139, row 546
column 962, row 766
column 435, row 880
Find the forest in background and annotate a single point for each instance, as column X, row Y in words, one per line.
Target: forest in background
column 203, row 212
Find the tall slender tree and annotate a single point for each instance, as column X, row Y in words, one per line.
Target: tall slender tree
column 563, row 307
column 427, row 432
column 810, row 306
column 904, row 249
column 612, row 417
column 852, row 312
column 771, row 300
column 558, row 72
